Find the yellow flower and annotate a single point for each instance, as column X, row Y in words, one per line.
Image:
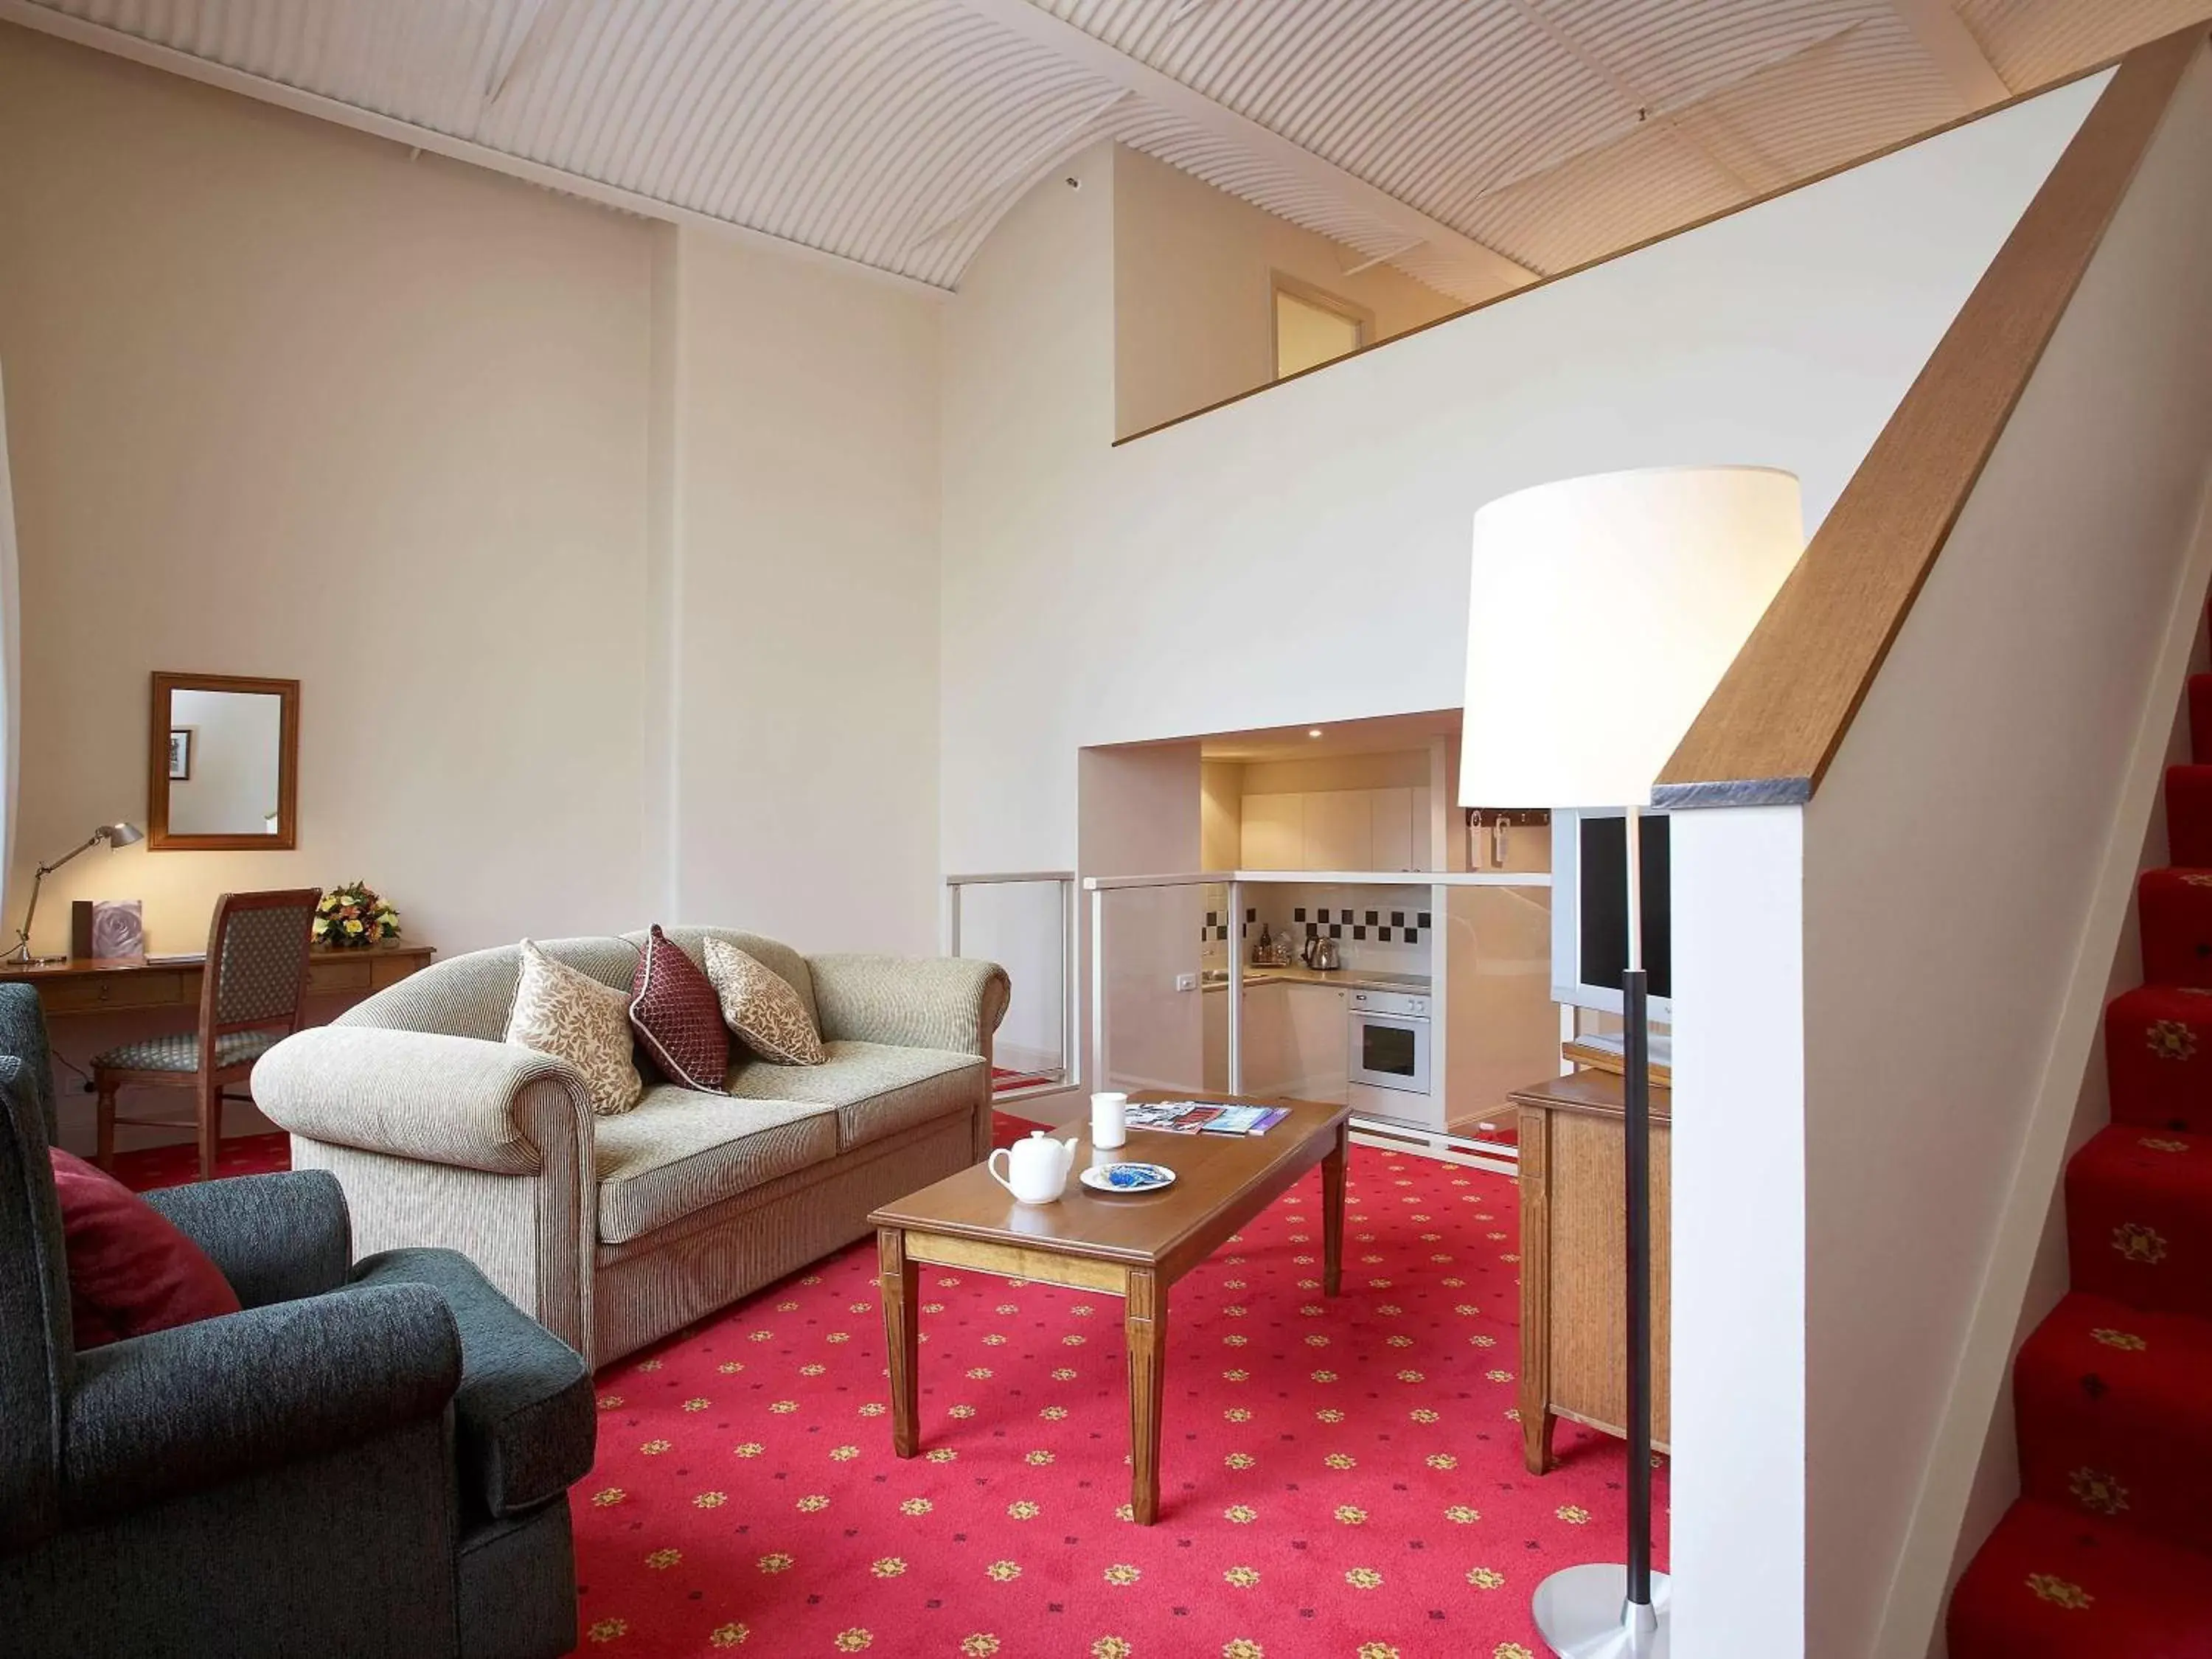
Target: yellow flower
column 916, row 1506
column 697, row 1404
column 728, row 1636
column 776, row 1561
column 607, row 1630
column 1003, row 1572
column 813, row 1503
column 1510, row 1650
column 2097, row 1493
column 1442, row 1461
column 1053, row 1414
column 1364, row 1579
column 1485, row 1577
column 1237, row 1415
column 2120, row 1339
column 731, row 1367
column 660, row 1560
column 979, row 1646
column 1109, row 1647
column 852, row 1641
column 1242, row 1647
column 2058, row 1592
column 1328, row 1414
column 890, row 1567
column 1240, row 1460
column 940, row 1454
column 611, row 1495
column 1036, row 1458
column 1573, row 1514
column 1377, row 1651
column 1122, row 1573
column 1351, row 1515
column 1022, row 1510
column 1242, row 1513
column 1461, row 1515
column 1341, row 1460
column 1242, row 1577
column 844, row 1453
column 751, row 1449
column 710, row 1500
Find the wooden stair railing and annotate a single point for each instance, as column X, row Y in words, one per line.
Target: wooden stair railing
column 1766, row 735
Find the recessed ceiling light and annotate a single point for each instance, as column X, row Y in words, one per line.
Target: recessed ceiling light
column 1313, row 731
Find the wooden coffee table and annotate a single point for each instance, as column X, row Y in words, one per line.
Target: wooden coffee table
column 1130, row 1245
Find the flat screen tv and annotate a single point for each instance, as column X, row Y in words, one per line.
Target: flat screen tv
column 1589, row 910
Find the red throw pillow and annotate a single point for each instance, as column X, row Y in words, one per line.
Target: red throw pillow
column 678, row 1017
column 131, row 1272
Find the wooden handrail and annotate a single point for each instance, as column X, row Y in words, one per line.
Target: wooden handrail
column 1766, row 735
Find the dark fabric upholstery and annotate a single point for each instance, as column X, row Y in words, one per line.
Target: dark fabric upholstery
column 37, row 1354
column 348, row 1555
column 261, row 961
column 274, row 1236
column 285, row 1480
column 202, row 1404
column 23, row 1034
column 179, row 1051
column 518, row 1586
column 524, row 1424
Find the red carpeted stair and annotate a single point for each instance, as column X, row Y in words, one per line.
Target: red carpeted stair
column 2108, row 1550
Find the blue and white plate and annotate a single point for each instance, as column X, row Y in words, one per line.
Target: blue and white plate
column 1128, row 1178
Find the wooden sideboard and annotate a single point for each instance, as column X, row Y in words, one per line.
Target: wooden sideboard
column 1573, row 1306
column 115, row 984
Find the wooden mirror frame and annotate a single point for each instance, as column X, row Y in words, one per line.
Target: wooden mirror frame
column 159, row 838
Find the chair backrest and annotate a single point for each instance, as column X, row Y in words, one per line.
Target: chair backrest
column 37, row 1350
column 256, row 962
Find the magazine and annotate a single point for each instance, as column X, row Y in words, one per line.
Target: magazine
column 1191, row 1117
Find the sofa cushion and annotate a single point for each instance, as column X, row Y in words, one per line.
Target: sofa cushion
column 681, row 1151
column 678, row 1017
column 877, row 1089
column 524, row 1428
column 131, row 1270
column 762, row 1007
column 563, row 1011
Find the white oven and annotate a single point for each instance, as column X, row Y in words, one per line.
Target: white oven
column 1390, row 1040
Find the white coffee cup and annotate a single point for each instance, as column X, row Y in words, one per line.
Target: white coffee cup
column 1109, row 1120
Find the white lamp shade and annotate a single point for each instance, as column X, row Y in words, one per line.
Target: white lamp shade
column 1602, row 613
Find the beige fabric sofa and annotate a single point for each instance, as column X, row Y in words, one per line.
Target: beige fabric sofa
column 614, row 1232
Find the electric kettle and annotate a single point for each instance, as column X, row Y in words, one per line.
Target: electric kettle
column 1321, row 954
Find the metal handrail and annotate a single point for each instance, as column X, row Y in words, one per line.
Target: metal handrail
column 1070, row 1021
column 1330, row 879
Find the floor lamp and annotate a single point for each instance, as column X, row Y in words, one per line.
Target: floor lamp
column 1602, row 613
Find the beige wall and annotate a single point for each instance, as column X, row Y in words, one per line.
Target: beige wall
column 1221, row 790
column 283, row 403
column 1194, row 297
column 606, row 554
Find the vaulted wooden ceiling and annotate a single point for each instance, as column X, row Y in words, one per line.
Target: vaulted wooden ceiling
column 1475, row 143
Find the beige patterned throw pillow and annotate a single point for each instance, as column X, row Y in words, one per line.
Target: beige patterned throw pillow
column 759, row 1005
column 571, row 1016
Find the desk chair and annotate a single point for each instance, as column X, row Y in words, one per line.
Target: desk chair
column 250, row 995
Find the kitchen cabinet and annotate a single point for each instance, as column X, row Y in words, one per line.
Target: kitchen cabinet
column 1272, row 835
column 1391, row 815
column 1270, row 1053
column 1340, row 829
column 1336, row 830
column 1320, row 1042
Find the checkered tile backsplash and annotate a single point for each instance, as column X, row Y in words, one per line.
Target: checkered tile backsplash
column 1383, row 927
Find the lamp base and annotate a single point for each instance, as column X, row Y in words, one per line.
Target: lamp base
column 1582, row 1613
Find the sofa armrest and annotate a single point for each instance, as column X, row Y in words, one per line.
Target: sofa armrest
column 420, row 1095
column 199, row 1405
column 954, row 1003
column 275, row 1237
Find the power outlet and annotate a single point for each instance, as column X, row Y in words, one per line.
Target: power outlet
column 1186, row 981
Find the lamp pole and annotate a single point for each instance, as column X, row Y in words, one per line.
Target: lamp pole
column 1598, row 1610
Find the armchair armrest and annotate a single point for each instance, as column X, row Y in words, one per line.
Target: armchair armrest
column 954, row 1003
column 275, row 1237
column 199, row 1405
column 422, row 1095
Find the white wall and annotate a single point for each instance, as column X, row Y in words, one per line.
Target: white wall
column 804, row 600
column 1301, row 556
column 1194, row 291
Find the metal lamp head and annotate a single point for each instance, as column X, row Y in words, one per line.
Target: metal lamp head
column 120, row 834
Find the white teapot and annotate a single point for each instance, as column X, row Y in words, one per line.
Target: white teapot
column 1037, row 1168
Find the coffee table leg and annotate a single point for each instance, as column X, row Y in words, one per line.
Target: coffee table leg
column 897, row 1278
column 1331, row 1212
column 1146, row 1317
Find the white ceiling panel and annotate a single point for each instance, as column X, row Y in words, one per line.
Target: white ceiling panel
column 1474, row 144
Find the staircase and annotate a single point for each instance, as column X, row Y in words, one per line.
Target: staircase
column 2109, row 1549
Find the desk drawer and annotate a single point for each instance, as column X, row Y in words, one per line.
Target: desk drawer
column 152, row 989
column 338, row 978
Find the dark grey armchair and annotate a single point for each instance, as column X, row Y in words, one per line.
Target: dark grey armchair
column 370, row 1459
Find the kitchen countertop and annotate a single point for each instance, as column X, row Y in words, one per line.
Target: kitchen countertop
column 1356, row 979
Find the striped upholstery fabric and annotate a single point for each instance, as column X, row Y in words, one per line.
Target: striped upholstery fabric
column 264, row 960
column 181, row 1051
column 613, row 1231
column 877, row 1088
column 681, row 1151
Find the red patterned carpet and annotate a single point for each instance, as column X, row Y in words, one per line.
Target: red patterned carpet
column 1342, row 1479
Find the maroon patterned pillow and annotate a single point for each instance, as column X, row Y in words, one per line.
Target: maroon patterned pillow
column 678, row 1017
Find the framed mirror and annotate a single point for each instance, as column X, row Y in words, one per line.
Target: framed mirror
column 224, row 774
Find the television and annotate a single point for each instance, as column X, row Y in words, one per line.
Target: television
column 1589, row 910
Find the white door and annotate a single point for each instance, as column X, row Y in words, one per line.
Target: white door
column 1272, row 835
column 1340, row 826
column 1269, row 1062
column 1321, row 1039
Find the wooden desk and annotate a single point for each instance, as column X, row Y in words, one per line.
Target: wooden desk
column 1573, row 1307
column 114, row 984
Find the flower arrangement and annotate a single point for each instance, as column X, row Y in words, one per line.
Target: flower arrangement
column 353, row 916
